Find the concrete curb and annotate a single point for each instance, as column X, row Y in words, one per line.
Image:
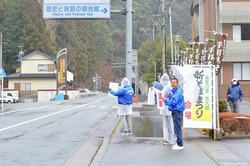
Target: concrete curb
column 237, row 137
column 93, row 150
column 115, row 122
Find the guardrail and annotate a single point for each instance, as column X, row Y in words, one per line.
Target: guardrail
column 88, row 94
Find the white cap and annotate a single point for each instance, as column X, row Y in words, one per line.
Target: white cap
column 234, row 79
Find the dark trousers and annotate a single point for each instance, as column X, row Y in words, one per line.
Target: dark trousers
column 177, row 119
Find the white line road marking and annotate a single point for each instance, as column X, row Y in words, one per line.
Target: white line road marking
column 24, row 109
column 103, row 106
column 92, row 106
column 46, row 116
column 114, row 107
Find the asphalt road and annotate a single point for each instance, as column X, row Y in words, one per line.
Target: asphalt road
column 47, row 134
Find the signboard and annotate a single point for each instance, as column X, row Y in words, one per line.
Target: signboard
column 62, row 68
column 94, row 79
column 114, row 86
column 199, row 97
column 2, row 73
column 61, row 9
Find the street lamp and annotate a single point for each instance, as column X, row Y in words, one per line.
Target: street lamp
column 177, row 52
column 20, row 55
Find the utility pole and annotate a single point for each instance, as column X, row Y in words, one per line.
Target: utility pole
column 155, row 70
column 129, row 41
column 171, row 34
column 1, row 49
column 163, row 38
column 1, row 55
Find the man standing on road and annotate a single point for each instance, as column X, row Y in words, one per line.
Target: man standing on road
column 234, row 95
column 176, row 104
column 125, row 100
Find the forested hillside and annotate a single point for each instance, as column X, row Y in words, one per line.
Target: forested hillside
column 92, row 44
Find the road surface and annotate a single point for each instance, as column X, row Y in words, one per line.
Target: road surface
column 49, row 133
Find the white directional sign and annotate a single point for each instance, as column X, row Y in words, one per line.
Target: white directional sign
column 91, row 9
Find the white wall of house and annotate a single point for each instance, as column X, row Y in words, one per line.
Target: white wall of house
column 30, row 64
column 35, row 84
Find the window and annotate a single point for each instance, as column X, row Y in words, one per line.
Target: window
column 9, row 94
column 245, row 32
column 241, row 71
column 236, row 33
column 43, row 68
column 27, row 87
column 241, row 32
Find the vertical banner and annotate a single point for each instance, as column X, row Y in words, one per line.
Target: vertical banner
column 182, row 59
column 160, row 103
column 210, row 52
column 196, row 53
column 61, row 78
column 62, row 69
column 221, row 40
column 198, row 94
column 202, row 54
column 190, row 56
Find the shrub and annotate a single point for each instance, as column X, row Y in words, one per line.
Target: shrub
column 223, row 105
column 234, row 123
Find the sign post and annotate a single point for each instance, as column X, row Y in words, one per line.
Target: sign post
column 54, row 9
column 2, row 75
column 200, row 98
column 62, row 69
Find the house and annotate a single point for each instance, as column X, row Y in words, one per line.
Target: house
column 36, row 71
column 231, row 17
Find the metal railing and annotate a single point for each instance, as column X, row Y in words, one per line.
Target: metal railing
column 88, row 94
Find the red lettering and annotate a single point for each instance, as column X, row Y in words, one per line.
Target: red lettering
column 188, row 114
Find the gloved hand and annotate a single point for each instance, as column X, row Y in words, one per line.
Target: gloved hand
column 169, row 94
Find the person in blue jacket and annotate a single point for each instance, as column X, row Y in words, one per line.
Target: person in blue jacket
column 176, row 104
column 125, row 100
column 234, row 95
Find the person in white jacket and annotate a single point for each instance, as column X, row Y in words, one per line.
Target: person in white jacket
column 168, row 130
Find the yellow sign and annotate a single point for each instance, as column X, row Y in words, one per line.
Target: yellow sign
column 202, row 113
column 61, row 71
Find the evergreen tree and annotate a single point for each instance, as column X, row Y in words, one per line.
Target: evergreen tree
column 33, row 28
column 10, row 27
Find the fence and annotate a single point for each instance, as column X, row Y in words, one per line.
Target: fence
column 28, row 96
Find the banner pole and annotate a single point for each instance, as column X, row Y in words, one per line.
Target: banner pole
column 2, row 93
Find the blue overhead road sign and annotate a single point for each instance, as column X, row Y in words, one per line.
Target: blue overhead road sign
column 91, row 9
column 2, row 73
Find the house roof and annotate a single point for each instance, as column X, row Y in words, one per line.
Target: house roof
column 32, row 75
column 37, row 52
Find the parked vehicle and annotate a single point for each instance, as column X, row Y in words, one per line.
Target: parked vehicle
column 9, row 97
